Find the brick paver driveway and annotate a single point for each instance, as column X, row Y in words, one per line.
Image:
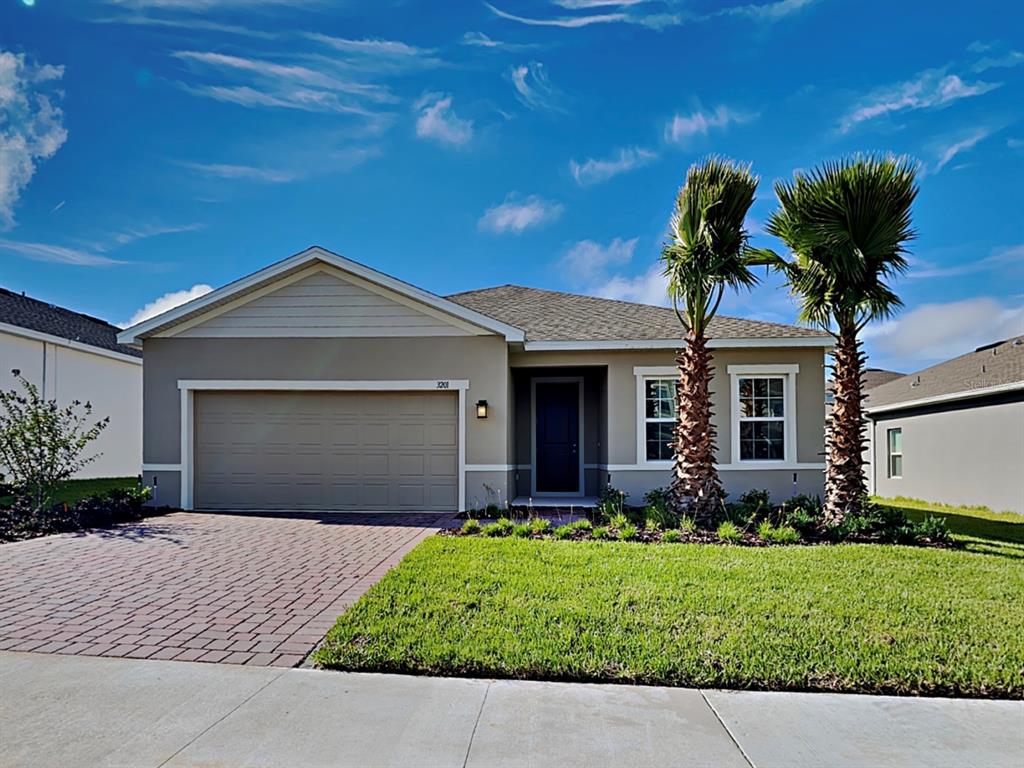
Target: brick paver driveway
column 242, row 589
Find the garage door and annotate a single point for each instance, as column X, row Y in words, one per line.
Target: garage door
column 326, row 450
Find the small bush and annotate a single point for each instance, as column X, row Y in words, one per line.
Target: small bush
column 501, row 527
column 627, row 532
column 782, row 534
column 652, row 526
column 933, row 529
column 581, row 525
column 687, row 524
column 471, row 527
column 800, row 519
column 521, row 531
column 611, row 502
column 756, row 498
column 540, row 525
column 601, row 532
column 618, row 520
column 729, row 532
column 671, row 536
column 563, row 532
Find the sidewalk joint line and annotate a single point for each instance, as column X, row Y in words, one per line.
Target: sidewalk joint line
column 726, row 728
column 476, row 723
column 221, row 719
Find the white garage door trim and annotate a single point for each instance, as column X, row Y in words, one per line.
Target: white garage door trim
column 188, row 387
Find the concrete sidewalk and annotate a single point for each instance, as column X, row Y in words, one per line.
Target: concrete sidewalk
column 80, row 711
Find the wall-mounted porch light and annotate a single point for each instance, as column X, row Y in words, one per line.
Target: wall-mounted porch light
column 481, row 409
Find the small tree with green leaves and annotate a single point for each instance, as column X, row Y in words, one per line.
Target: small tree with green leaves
column 42, row 444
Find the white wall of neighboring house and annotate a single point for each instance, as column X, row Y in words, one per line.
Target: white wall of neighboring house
column 64, row 371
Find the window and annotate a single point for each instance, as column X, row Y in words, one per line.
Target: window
column 762, row 415
column 659, row 418
column 895, row 440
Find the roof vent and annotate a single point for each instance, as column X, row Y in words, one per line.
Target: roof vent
column 1018, row 342
column 916, row 382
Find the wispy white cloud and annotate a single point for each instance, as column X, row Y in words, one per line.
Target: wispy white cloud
column 533, row 87
column 950, row 151
column 168, row 301
column 594, row 171
column 683, row 128
column 939, row 331
column 437, row 120
column 767, row 12
column 1004, row 61
column 1009, row 260
column 631, row 12
column 650, row 287
column 1013, row 143
column 245, row 172
column 932, row 88
column 186, row 22
column 516, row 215
column 588, row 262
column 197, row 6
column 566, row 22
column 133, row 234
column 57, row 254
column 378, row 55
column 481, row 40
column 31, row 126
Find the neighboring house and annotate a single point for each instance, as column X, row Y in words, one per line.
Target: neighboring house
column 71, row 356
column 319, row 383
column 870, row 378
column 954, row 432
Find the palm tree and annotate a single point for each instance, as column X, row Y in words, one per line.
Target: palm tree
column 707, row 253
column 847, row 225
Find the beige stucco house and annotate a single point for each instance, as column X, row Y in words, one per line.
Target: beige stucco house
column 319, row 383
column 952, row 433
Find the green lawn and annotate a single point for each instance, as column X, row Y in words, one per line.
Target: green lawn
column 852, row 617
column 76, row 490
column 971, row 524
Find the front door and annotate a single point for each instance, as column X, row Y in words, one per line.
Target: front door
column 557, row 406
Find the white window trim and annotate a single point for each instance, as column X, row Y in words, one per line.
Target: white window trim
column 889, row 454
column 642, row 374
column 578, row 381
column 788, row 373
column 188, row 388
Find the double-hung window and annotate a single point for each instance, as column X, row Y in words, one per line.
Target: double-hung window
column 763, row 413
column 659, row 418
column 895, row 452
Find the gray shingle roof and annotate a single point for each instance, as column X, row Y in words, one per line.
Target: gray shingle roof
column 989, row 366
column 26, row 312
column 556, row 316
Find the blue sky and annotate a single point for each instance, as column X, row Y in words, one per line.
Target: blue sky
column 150, row 148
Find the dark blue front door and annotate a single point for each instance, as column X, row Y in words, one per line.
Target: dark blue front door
column 558, row 433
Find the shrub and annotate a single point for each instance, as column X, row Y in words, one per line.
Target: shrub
column 471, row 527
column 652, row 526
column 756, row 498
column 563, row 532
column 660, row 512
column 618, row 520
column 612, row 502
column 601, row 532
column 581, row 525
column 782, row 534
column 627, row 532
column 933, row 529
column 671, row 536
column 687, row 524
column 540, row 525
column 521, row 531
column 729, row 532
column 42, row 445
column 801, row 520
column 121, row 505
column 501, row 527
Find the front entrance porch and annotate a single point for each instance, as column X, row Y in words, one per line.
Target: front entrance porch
column 560, row 434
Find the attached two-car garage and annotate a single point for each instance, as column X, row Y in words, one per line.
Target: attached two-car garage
column 326, row 450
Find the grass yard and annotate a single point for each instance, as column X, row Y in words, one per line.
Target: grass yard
column 76, row 490
column 969, row 523
column 851, row 617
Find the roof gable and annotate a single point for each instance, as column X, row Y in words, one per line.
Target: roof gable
column 264, row 281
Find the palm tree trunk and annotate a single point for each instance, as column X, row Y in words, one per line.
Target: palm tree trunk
column 845, row 488
column 696, row 488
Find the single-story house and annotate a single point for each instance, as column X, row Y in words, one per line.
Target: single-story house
column 954, row 432
column 70, row 356
column 320, row 383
